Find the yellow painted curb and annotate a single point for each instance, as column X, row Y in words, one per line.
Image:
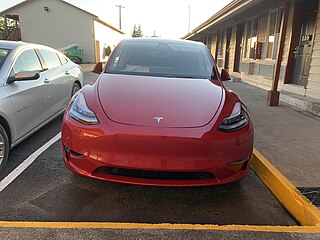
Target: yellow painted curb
column 167, row 226
column 298, row 205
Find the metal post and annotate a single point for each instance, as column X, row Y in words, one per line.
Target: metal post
column 119, row 6
column 189, row 20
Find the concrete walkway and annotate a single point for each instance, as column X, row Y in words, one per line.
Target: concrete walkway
column 287, row 136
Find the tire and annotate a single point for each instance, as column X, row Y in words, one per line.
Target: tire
column 4, row 147
column 76, row 60
column 75, row 88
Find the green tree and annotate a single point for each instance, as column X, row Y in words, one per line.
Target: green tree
column 137, row 32
column 11, row 24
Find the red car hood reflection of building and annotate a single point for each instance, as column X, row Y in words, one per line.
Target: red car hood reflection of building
column 137, row 100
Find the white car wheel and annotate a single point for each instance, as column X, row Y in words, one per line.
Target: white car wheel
column 4, row 147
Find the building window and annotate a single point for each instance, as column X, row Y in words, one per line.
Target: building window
column 275, row 18
column 251, row 37
column 208, row 43
column 220, row 43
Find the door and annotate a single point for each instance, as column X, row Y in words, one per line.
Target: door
column 27, row 97
column 58, row 83
column 302, row 49
column 237, row 58
column 97, row 48
column 227, row 56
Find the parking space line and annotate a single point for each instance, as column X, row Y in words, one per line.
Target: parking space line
column 167, row 226
column 298, row 205
column 26, row 163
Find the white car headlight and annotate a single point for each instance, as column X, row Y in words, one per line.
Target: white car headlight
column 238, row 119
column 80, row 111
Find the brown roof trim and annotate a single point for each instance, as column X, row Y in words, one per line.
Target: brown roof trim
column 224, row 12
column 108, row 25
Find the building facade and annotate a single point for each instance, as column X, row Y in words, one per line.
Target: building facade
column 58, row 24
column 272, row 44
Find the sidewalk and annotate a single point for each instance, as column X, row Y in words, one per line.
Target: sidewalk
column 287, row 136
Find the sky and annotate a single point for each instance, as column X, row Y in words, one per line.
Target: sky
column 165, row 18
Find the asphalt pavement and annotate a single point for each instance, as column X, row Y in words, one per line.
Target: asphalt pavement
column 287, row 136
column 47, row 191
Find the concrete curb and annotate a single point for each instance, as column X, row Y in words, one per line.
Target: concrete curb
column 168, row 226
column 298, row 205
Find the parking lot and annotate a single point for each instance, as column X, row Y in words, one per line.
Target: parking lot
column 47, row 192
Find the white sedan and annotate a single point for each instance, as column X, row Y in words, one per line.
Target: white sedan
column 36, row 84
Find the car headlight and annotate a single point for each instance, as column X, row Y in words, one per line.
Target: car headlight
column 238, row 119
column 80, row 111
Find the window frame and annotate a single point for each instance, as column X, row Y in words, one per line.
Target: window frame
column 220, row 44
column 246, row 38
column 277, row 24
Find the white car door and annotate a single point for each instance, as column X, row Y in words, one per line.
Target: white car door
column 59, row 84
column 27, row 97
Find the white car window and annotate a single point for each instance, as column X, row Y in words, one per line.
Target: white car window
column 63, row 59
column 27, row 61
column 51, row 58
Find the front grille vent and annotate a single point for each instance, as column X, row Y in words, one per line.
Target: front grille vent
column 154, row 174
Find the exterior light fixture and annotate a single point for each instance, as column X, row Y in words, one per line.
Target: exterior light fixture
column 46, row 9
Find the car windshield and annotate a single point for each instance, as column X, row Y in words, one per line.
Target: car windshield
column 3, row 55
column 162, row 59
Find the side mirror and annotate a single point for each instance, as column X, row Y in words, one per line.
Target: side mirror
column 24, row 76
column 97, row 68
column 225, row 76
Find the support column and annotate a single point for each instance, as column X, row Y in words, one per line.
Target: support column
column 274, row 94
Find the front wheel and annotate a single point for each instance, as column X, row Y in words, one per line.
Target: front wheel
column 75, row 88
column 76, row 60
column 4, row 147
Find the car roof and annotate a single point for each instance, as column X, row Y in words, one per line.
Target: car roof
column 161, row 40
column 10, row 44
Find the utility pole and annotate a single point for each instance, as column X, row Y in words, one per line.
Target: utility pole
column 119, row 6
column 189, row 19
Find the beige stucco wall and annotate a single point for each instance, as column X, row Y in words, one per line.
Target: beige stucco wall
column 62, row 25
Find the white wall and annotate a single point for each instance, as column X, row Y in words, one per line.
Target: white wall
column 107, row 37
column 61, row 26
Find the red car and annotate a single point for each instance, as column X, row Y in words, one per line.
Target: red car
column 158, row 115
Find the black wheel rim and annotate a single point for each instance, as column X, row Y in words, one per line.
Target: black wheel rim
column 76, row 88
column 2, row 149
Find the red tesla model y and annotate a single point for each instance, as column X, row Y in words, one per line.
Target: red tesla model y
column 158, row 114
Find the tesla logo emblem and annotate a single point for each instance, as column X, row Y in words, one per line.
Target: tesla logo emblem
column 158, row 119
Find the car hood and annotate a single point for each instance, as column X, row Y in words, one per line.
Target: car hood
column 159, row 101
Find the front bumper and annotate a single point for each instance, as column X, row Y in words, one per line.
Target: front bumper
column 157, row 156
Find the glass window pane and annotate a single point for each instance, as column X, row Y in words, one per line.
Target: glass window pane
column 162, row 59
column 3, row 55
column 271, row 35
column 248, row 39
column 27, row 61
column 277, row 34
column 51, row 58
column 63, row 59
